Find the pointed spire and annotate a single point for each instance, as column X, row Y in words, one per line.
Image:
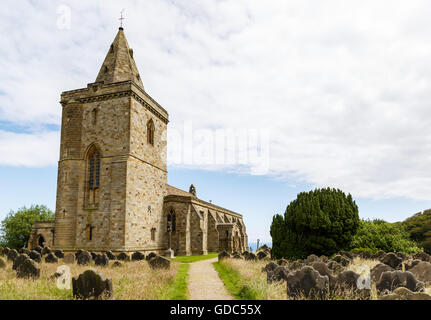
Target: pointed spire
column 119, row 64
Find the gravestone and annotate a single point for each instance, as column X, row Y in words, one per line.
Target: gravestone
column 91, row 285
column 84, row 258
column 101, row 260
column 28, row 269
column 159, row 262
column 35, row 256
column 69, row 258
column 51, row 258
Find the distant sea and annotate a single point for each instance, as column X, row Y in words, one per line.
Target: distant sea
column 252, row 245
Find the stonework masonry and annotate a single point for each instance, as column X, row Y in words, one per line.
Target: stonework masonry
column 112, row 191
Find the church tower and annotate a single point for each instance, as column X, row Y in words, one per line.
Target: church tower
column 112, row 172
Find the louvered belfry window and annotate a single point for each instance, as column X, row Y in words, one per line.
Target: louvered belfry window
column 94, row 181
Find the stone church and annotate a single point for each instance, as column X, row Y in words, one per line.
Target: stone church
column 112, row 191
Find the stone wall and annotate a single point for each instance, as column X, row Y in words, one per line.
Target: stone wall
column 41, row 234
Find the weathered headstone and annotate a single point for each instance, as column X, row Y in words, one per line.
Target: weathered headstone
column 59, row 254
column 18, row 261
column 377, row 271
column 35, row 256
column 307, row 282
column 262, row 255
column 422, row 256
column 390, row 280
column 270, row 267
column 46, row 250
column 278, row 274
column 12, row 255
column 117, row 264
column 51, row 258
column 69, row 258
column 110, row 255
column 422, row 271
column 402, row 293
column 159, row 262
column 223, row 255
column 138, row 256
column 24, row 250
column 101, row 260
column 84, row 258
column 93, row 255
column 92, row 285
column 38, row 249
column 344, row 261
column 150, row 255
column 123, row 257
column 250, row 256
column 392, row 260
column 28, row 269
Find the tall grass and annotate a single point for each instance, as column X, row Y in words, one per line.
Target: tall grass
column 132, row 281
column 177, row 289
column 245, row 281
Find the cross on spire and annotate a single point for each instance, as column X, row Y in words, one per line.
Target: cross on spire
column 121, row 19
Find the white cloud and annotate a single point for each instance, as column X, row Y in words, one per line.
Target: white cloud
column 344, row 86
column 29, row 150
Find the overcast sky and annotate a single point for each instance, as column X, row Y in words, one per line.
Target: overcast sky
column 342, row 88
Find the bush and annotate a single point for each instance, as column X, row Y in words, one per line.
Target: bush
column 16, row 227
column 381, row 235
column 419, row 227
column 322, row 222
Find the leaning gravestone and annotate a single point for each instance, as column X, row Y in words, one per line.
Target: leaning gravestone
column 51, row 258
column 69, row 258
column 159, row 262
column 84, row 258
column 92, row 285
column 2, row 263
column 12, row 255
column 28, row 269
column 18, row 261
column 101, row 260
column 151, row 255
column 35, row 256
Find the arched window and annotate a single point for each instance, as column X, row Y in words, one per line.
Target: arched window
column 94, row 164
column 93, row 174
column 150, row 132
column 153, row 234
column 172, row 223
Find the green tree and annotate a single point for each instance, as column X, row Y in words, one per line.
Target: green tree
column 381, row 235
column 322, row 221
column 419, row 227
column 16, row 227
